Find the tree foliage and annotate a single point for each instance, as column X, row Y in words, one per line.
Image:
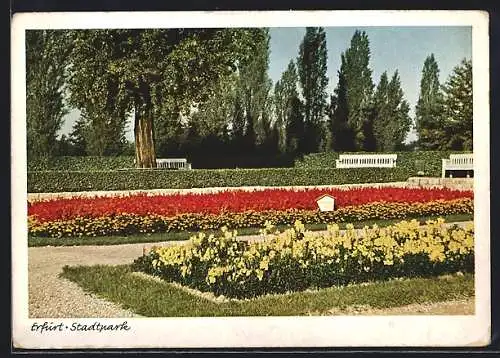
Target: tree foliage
column 444, row 112
column 254, row 87
column 46, row 54
column 353, row 94
column 151, row 73
column 295, row 128
column 312, row 69
column 390, row 114
column 95, row 135
column 429, row 108
column 457, row 92
column 238, row 112
column 206, row 93
column 285, row 93
column 342, row 135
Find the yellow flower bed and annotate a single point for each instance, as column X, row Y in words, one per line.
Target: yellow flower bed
column 298, row 259
column 126, row 224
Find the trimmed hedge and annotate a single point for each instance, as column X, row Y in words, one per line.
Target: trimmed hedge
column 62, row 181
column 412, row 162
column 89, row 163
column 427, row 161
column 101, row 173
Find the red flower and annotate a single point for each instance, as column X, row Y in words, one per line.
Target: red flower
column 230, row 201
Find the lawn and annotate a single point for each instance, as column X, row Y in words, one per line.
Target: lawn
column 185, row 235
column 155, row 298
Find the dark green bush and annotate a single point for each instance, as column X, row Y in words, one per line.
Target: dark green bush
column 428, row 162
column 81, row 163
column 59, row 181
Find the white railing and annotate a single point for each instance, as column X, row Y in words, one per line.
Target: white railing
column 173, row 163
column 457, row 162
column 366, row 161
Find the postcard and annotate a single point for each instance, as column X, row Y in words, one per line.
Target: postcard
column 251, row 179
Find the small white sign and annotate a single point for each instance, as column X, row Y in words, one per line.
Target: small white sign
column 326, row 202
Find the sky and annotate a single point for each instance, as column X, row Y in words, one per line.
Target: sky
column 392, row 48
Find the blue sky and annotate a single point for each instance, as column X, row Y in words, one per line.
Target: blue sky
column 392, row 48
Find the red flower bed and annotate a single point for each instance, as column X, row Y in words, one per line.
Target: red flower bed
column 229, row 201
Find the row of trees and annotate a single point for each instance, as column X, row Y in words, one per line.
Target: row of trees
column 443, row 113
column 207, row 92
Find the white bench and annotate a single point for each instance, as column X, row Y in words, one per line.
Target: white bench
column 173, row 163
column 457, row 162
column 366, row 161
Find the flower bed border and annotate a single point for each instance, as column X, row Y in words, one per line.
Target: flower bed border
column 126, row 224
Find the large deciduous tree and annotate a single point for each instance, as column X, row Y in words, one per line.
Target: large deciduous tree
column 429, row 109
column 151, row 72
column 312, row 68
column 46, row 55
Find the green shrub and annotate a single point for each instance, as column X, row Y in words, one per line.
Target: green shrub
column 81, row 163
column 428, row 162
column 61, row 181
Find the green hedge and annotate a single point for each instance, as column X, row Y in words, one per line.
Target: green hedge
column 59, row 181
column 101, row 173
column 81, row 163
column 412, row 162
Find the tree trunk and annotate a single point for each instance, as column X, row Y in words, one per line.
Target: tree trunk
column 145, row 156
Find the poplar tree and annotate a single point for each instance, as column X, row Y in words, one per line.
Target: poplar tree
column 342, row 136
column 46, row 55
column 390, row 116
column 457, row 92
column 312, row 68
column 429, row 119
column 381, row 113
column 354, row 93
column 254, row 89
column 285, row 92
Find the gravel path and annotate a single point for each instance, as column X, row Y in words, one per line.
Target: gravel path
column 51, row 296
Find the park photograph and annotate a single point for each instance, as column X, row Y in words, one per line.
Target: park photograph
column 233, row 180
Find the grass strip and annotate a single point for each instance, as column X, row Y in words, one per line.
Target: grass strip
column 185, row 235
column 153, row 298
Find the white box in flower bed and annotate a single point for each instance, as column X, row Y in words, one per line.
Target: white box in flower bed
column 326, row 202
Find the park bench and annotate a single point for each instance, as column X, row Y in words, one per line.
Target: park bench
column 458, row 162
column 172, row 163
column 366, row 161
